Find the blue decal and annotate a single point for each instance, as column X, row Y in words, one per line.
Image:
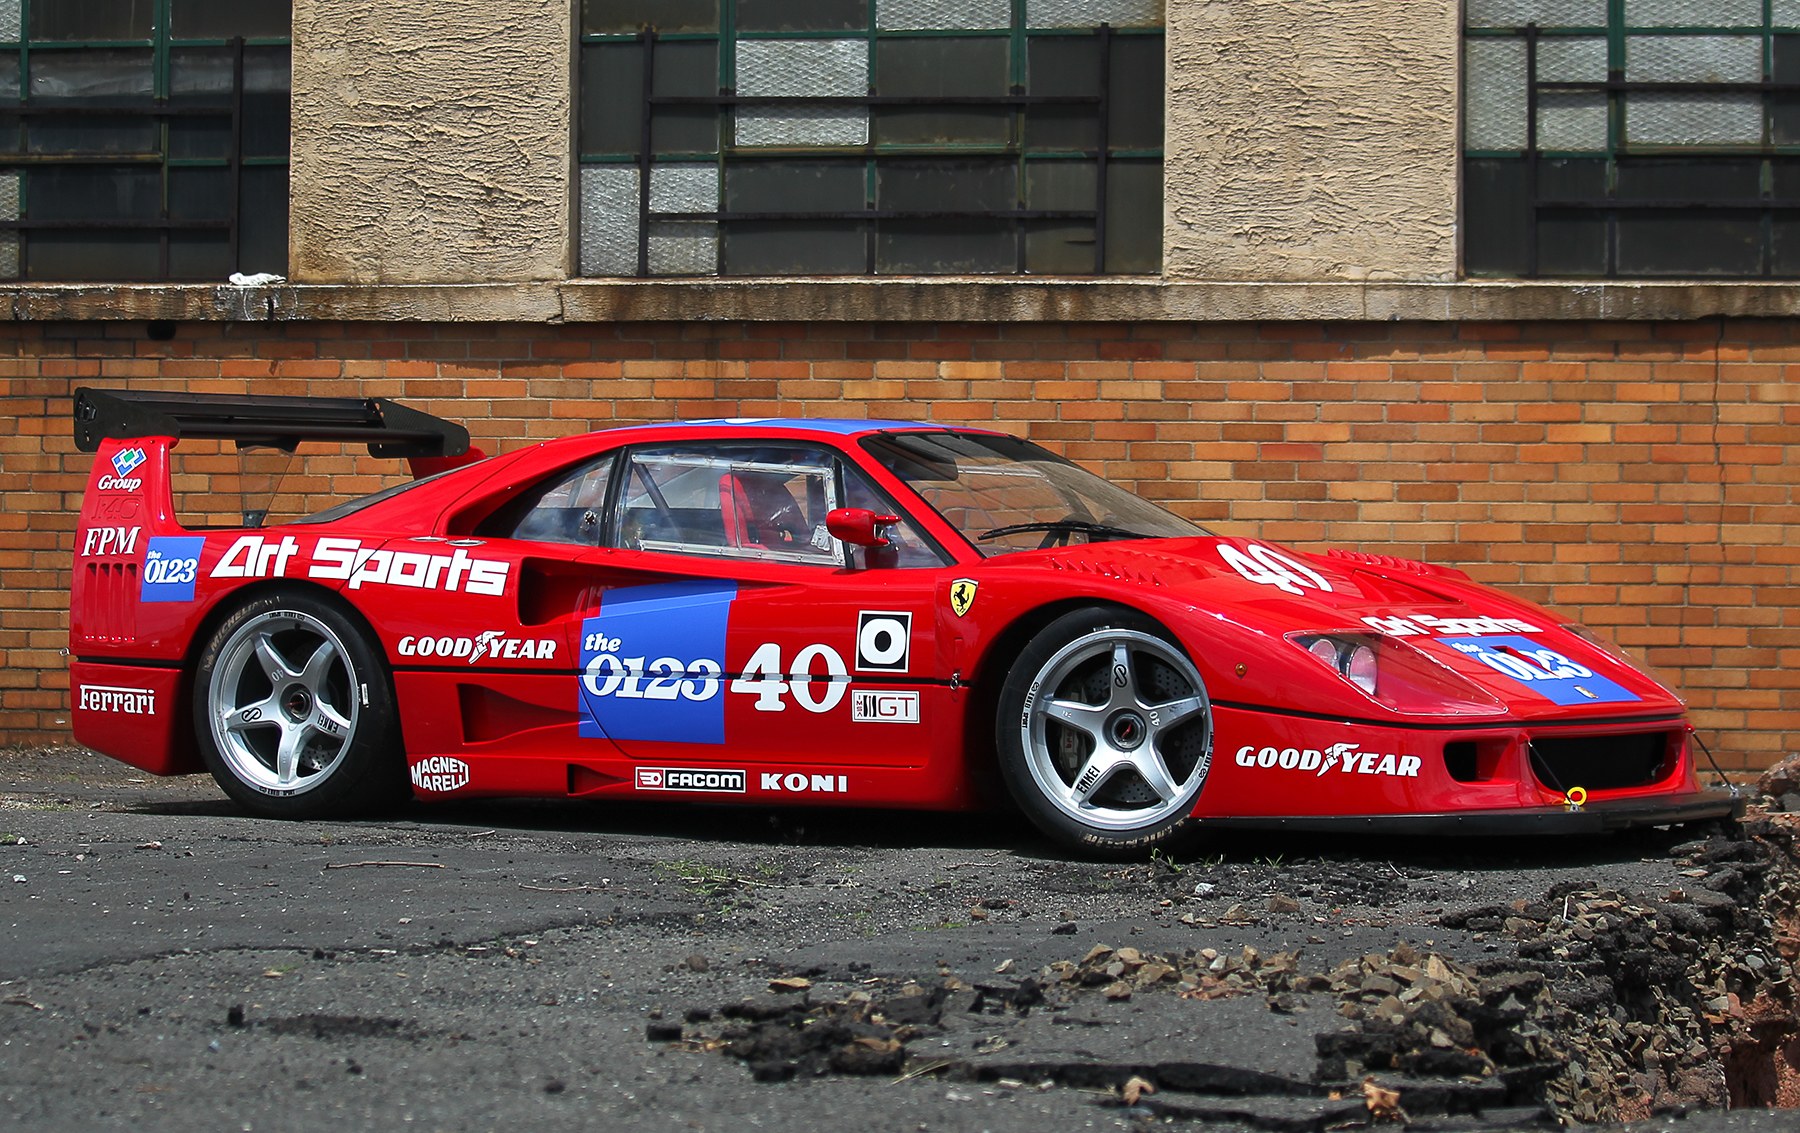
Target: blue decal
column 171, row 565
column 653, row 663
column 126, row 459
column 1540, row 669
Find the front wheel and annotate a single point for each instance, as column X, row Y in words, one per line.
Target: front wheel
column 1105, row 733
column 293, row 710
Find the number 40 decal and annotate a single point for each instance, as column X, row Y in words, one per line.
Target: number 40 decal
column 764, row 677
column 1272, row 568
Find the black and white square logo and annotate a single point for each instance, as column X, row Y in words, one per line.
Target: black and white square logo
column 883, row 641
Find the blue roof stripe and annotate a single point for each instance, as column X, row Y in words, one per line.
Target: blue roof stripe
column 842, row 426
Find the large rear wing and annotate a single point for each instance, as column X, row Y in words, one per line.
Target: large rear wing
column 263, row 421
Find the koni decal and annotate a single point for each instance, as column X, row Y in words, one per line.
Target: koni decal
column 1345, row 758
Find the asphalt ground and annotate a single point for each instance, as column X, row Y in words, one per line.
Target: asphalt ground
column 167, row 963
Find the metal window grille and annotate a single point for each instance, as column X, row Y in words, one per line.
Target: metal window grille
column 143, row 139
column 1632, row 138
column 870, row 137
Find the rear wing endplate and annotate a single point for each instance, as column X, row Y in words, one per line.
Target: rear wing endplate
column 264, row 421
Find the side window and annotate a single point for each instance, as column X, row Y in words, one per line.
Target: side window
column 910, row 548
column 744, row 502
column 565, row 510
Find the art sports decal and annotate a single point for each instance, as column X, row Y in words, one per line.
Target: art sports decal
column 171, row 565
column 1346, row 758
column 1413, row 625
column 962, row 596
column 652, row 663
column 883, row 641
column 348, row 561
column 884, row 707
column 123, row 462
column 1541, row 670
column 440, row 774
column 703, row 779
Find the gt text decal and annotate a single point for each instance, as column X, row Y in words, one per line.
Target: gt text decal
column 1270, row 567
column 872, row 707
column 1540, row 670
column 113, row 699
column 1345, row 757
column 883, row 641
column 652, row 662
column 171, row 564
column 1412, row 625
column 691, row 779
column 348, row 561
column 440, row 773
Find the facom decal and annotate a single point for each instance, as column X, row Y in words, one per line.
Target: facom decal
column 884, row 707
column 440, row 773
column 883, row 641
column 171, row 566
column 794, row 783
column 1541, row 670
column 123, row 462
column 493, row 644
column 1413, row 625
column 115, row 700
column 962, row 595
column 100, row 542
column 652, row 663
column 348, row 561
column 704, row 779
column 1346, row 758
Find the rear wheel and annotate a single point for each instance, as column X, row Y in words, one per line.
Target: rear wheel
column 293, row 710
column 1105, row 733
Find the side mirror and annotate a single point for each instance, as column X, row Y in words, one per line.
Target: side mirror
column 859, row 526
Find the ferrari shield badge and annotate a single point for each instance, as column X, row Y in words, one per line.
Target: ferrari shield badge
column 962, row 595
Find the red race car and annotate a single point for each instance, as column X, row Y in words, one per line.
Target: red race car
column 818, row 612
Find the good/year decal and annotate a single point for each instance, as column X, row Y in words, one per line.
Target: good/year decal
column 1541, row 670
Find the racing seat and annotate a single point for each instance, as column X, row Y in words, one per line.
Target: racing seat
column 758, row 511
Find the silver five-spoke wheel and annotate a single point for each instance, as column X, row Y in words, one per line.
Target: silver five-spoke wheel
column 294, row 710
column 1110, row 731
column 283, row 703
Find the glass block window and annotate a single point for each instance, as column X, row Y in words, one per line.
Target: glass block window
column 1631, row 138
column 870, row 137
column 143, row 139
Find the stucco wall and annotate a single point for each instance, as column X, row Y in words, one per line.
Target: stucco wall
column 431, row 141
column 1311, row 139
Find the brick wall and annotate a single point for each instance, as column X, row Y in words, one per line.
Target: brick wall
column 1644, row 477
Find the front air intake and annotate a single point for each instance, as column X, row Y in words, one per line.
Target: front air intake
column 1599, row 763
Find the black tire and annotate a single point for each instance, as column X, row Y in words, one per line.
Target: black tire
column 1104, row 733
column 294, row 711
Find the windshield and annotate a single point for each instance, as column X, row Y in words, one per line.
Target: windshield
column 1005, row 494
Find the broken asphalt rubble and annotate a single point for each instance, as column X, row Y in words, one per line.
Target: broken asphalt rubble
column 1601, row 1006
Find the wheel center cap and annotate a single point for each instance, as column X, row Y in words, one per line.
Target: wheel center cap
column 1126, row 730
column 297, row 703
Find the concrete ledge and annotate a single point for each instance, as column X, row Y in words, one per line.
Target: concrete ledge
column 937, row 299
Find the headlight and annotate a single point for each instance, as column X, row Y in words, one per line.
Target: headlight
column 1398, row 676
column 1352, row 657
